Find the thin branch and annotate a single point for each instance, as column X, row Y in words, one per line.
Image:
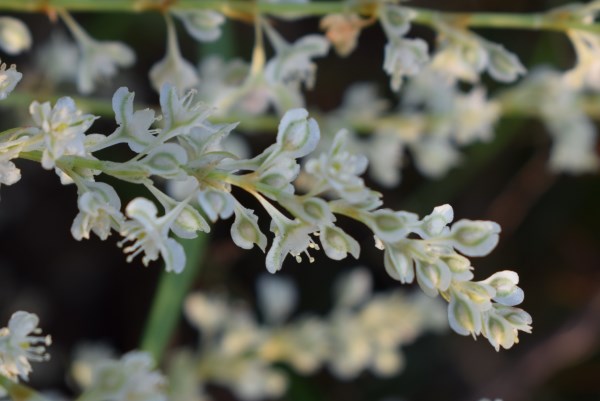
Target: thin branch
column 245, row 8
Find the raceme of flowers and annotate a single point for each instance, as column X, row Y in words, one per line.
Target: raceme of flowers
column 189, row 148
column 460, row 56
column 238, row 351
column 132, row 377
column 442, row 107
column 363, row 331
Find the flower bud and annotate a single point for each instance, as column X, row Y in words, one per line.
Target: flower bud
column 216, row 204
column 337, row 244
column 14, row 36
column 433, row 277
column 189, row 222
column 203, row 25
column 474, row 238
column 166, row 160
column 505, row 284
column 297, row 135
column 503, row 65
column 8, row 79
column 398, row 265
column 498, row 331
column 395, row 19
column 464, row 317
column 245, row 231
column 390, row 226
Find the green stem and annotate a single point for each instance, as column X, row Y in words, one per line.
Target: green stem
column 534, row 21
column 166, row 306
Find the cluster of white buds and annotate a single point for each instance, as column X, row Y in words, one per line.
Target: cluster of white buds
column 20, row 344
column 131, row 377
column 363, row 331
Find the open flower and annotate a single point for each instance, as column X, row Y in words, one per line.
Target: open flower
column 99, row 211
column 18, row 346
column 292, row 62
column 9, row 173
column 149, row 234
column 98, row 59
column 341, row 169
column 8, row 79
column 134, row 127
column 404, row 57
column 63, row 127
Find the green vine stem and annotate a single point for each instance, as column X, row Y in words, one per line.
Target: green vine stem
column 244, row 9
column 590, row 103
column 165, row 311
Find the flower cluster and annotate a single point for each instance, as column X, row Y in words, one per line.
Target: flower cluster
column 20, row 344
column 188, row 148
column 363, row 331
column 131, row 377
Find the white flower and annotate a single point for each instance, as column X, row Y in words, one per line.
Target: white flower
column 475, row 116
column 586, row 73
column 404, row 57
column 501, row 325
column 180, row 113
column 216, row 204
column 353, row 288
column 434, row 155
column 8, row 79
column 341, row 170
column 14, row 36
column 474, row 237
column 57, row 58
column 18, row 346
column 134, row 127
column 291, row 237
column 99, row 211
column 461, row 55
column 277, row 297
column 203, row 25
column 245, row 231
column 63, row 127
column 130, row 378
column 9, row 173
column 208, row 314
column 292, row 62
column 149, row 234
column 98, row 59
column 173, row 68
column 395, row 19
column 503, row 66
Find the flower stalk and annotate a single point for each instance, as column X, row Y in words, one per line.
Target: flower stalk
column 236, row 8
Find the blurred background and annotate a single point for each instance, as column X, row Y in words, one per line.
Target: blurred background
column 86, row 292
